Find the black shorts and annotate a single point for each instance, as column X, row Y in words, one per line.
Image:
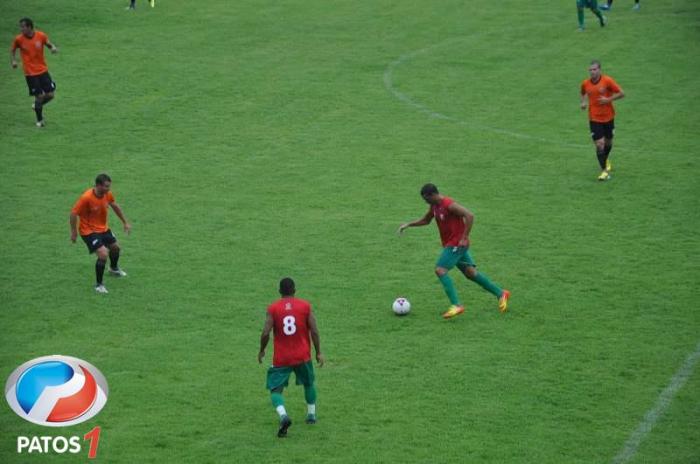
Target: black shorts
column 96, row 240
column 602, row 129
column 40, row 84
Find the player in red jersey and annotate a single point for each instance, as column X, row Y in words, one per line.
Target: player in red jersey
column 292, row 323
column 454, row 222
column 31, row 45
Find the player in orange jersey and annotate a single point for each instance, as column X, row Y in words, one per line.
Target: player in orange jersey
column 598, row 93
column 91, row 208
column 31, row 45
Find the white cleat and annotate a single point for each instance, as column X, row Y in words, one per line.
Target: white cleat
column 636, row 7
column 117, row 272
column 40, row 124
column 101, row 289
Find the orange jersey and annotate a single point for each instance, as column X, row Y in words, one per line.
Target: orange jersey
column 605, row 87
column 92, row 212
column 32, row 52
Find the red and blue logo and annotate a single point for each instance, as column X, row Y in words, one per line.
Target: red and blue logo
column 56, row 391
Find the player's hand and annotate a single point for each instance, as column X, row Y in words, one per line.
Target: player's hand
column 54, row 50
column 402, row 227
column 73, row 236
column 261, row 355
column 583, row 105
column 127, row 228
column 320, row 359
column 464, row 242
column 13, row 64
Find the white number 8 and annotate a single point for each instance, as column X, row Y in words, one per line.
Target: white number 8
column 289, row 327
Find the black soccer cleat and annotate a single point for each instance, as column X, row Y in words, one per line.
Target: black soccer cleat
column 310, row 419
column 285, row 423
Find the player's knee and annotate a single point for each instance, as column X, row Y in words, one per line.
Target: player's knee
column 102, row 254
column 470, row 272
column 114, row 248
column 440, row 271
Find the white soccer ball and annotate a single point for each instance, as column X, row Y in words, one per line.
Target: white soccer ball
column 401, row 306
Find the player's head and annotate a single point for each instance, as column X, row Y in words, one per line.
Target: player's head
column 26, row 26
column 430, row 194
column 102, row 184
column 287, row 287
column 594, row 69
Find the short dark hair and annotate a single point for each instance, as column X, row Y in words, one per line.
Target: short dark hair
column 287, row 287
column 102, row 178
column 428, row 189
column 596, row 62
column 27, row 22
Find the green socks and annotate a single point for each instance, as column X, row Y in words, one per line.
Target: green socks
column 580, row 18
column 310, row 394
column 487, row 285
column 449, row 289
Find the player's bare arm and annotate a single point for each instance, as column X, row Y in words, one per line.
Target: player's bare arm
column 52, row 47
column 584, row 101
column 424, row 221
column 265, row 337
column 73, row 227
column 315, row 338
column 468, row 218
column 13, row 57
column 118, row 211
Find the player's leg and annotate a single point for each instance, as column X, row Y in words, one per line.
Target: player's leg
column 102, row 253
column 306, row 377
column 447, row 260
column 636, row 5
column 467, row 266
column 606, row 6
column 593, row 5
column 579, row 11
column 132, row 5
column 598, row 136
column 608, row 144
column 110, row 241
column 277, row 379
column 35, row 91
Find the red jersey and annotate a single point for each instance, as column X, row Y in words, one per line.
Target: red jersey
column 605, row 87
column 32, row 52
column 92, row 211
column 291, row 331
column 451, row 226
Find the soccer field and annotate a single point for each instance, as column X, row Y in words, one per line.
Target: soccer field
column 252, row 140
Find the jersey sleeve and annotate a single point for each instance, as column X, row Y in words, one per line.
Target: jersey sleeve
column 583, row 88
column 613, row 85
column 44, row 38
column 110, row 197
column 447, row 202
column 79, row 206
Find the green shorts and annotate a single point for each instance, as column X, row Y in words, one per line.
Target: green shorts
column 587, row 4
column 279, row 376
column 454, row 256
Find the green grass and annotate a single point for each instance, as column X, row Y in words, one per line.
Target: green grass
column 252, row 140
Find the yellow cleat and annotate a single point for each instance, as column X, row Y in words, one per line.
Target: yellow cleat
column 453, row 311
column 604, row 176
column 503, row 301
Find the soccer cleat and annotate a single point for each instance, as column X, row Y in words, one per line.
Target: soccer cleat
column 310, row 419
column 40, row 123
column 581, row 29
column 605, row 6
column 636, row 7
column 603, row 21
column 503, row 301
column 285, row 423
column 152, row 3
column 99, row 288
column 117, row 272
column 453, row 311
column 604, row 176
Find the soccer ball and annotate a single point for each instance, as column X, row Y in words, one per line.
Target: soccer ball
column 401, row 306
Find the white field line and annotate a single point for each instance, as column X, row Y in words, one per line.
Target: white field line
column 654, row 414
column 389, row 85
